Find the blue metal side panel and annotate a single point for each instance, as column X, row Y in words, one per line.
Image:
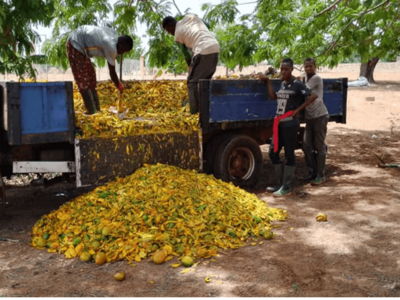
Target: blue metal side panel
column 248, row 100
column 44, row 108
column 241, row 100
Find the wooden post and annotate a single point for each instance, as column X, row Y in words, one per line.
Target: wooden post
column 120, row 68
column 142, row 67
column 2, row 189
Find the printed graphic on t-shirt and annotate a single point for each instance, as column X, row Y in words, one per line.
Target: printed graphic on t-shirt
column 282, row 98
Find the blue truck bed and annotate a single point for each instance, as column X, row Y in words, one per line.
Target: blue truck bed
column 247, row 102
column 41, row 112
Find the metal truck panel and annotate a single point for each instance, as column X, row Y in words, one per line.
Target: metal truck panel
column 248, row 100
column 43, row 167
column 99, row 160
column 41, row 112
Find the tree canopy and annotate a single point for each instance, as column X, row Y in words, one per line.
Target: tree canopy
column 17, row 17
column 331, row 31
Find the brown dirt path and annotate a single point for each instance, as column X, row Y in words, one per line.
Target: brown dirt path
column 355, row 253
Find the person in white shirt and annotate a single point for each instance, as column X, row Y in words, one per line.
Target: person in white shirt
column 317, row 117
column 92, row 41
column 192, row 34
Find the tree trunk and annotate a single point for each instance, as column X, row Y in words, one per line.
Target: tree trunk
column 367, row 69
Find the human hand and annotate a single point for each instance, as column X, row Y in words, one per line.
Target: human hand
column 121, row 88
column 262, row 78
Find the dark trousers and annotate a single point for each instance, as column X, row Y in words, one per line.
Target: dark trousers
column 201, row 67
column 314, row 135
column 287, row 138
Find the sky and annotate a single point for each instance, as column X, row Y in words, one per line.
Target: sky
column 245, row 7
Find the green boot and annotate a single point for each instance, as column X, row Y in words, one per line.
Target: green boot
column 279, row 172
column 320, row 179
column 288, row 175
column 89, row 102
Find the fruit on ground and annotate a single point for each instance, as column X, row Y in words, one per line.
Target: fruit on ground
column 120, row 276
column 100, row 258
column 207, row 215
column 85, row 256
column 268, row 235
column 187, row 261
column 160, row 256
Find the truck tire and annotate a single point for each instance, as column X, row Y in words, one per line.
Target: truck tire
column 210, row 150
column 238, row 161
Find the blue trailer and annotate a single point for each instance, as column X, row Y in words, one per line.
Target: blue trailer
column 37, row 130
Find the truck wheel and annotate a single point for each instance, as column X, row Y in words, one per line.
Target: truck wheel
column 239, row 161
column 210, row 150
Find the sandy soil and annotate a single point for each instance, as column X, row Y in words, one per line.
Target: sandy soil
column 355, row 253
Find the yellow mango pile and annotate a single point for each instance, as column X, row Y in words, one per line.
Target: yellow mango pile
column 154, row 107
column 183, row 212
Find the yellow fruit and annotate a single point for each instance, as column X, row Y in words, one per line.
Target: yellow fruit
column 206, row 217
column 95, row 244
column 322, row 217
column 187, row 261
column 100, row 258
column 40, row 242
column 85, row 256
column 159, row 257
column 106, row 231
column 120, row 276
column 202, row 252
column 268, row 235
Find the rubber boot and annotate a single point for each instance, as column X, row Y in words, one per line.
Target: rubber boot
column 89, row 102
column 96, row 100
column 320, row 179
column 311, row 162
column 193, row 100
column 278, row 168
column 288, row 175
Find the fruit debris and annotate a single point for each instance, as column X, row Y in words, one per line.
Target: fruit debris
column 158, row 209
column 154, row 107
column 322, row 217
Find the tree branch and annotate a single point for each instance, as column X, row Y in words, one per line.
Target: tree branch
column 177, row 7
column 333, row 44
column 327, row 9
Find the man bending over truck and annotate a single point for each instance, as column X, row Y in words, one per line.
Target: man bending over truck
column 89, row 41
column 192, row 34
column 293, row 96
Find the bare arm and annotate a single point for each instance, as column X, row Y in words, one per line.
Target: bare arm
column 309, row 101
column 113, row 75
column 271, row 91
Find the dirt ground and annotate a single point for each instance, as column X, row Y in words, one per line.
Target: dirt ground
column 355, row 253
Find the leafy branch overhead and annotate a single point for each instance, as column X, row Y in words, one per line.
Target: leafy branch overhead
column 332, row 31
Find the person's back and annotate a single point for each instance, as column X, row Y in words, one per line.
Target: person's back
column 95, row 41
column 193, row 33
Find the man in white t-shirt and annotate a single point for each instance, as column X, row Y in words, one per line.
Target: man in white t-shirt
column 92, row 41
column 317, row 117
column 192, row 34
